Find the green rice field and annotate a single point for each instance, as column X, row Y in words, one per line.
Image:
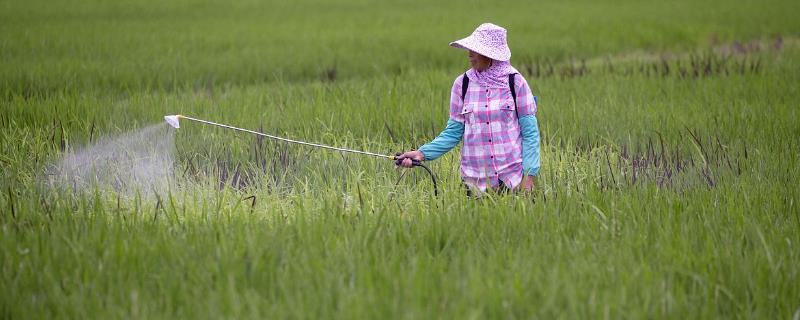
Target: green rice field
column 668, row 186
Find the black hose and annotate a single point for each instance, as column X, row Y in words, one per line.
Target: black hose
column 417, row 163
column 433, row 177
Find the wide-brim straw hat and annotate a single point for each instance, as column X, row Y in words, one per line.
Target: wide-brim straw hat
column 488, row 40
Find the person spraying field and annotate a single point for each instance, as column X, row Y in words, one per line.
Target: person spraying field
column 493, row 110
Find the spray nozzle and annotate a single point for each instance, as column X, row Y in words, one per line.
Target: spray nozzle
column 173, row 120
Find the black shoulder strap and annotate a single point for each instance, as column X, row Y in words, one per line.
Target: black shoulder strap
column 513, row 91
column 464, row 86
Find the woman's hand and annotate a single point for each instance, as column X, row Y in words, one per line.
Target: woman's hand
column 528, row 183
column 405, row 158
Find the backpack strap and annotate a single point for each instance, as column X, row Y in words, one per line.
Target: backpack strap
column 513, row 91
column 464, row 86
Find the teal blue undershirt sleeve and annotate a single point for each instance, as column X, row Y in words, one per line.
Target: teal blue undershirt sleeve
column 529, row 128
column 446, row 141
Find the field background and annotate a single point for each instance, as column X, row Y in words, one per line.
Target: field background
column 668, row 186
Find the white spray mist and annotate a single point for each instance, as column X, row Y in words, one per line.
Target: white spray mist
column 138, row 161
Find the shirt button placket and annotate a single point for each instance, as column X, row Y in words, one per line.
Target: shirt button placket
column 489, row 130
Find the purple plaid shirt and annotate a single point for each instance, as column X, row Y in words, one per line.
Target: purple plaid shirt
column 492, row 150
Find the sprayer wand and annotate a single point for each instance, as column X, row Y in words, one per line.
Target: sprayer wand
column 174, row 121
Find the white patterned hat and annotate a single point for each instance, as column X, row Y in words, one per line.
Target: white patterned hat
column 488, row 40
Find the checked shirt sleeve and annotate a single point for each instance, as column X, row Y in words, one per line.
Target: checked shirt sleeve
column 456, row 102
column 526, row 102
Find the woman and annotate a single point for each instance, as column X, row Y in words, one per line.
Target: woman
column 501, row 134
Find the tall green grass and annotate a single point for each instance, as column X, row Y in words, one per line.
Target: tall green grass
column 668, row 186
column 97, row 45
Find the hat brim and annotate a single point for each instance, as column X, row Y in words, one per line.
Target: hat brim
column 469, row 43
